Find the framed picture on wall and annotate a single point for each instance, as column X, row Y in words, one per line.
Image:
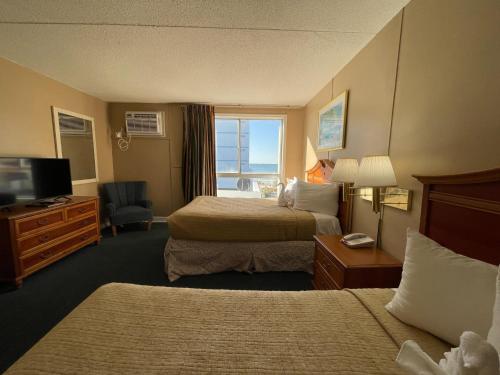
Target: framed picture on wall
column 332, row 124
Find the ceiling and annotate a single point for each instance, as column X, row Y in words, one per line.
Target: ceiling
column 248, row 52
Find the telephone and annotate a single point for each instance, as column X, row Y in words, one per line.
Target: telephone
column 356, row 240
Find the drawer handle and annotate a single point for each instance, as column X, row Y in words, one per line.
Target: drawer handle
column 332, row 268
column 43, row 221
column 84, row 222
column 46, row 255
column 82, row 210
column 43, row 238
column 84, row 237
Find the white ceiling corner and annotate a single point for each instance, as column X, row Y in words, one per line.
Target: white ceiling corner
column 249, row 52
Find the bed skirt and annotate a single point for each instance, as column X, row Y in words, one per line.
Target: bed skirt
column 183, row 257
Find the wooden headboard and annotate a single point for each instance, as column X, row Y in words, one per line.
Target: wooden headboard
column 320, row 174
column 462, row 212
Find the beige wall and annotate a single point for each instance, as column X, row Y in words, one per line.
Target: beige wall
column 293, row 133
column 156, row 160
column 26, row 127
column 159, row 160
column 446, row 113
column 445, row 106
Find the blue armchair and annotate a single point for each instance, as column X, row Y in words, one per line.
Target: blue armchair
column 126, row 203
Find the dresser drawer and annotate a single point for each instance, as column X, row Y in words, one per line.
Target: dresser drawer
column 322, row 280
column 41, row 239
column 331, row 267
column 81, row 209
column 32, row 262
column 34, row 223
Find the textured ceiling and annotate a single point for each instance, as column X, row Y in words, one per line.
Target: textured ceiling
column 253, row 52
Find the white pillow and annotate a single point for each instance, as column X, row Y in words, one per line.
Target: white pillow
column 442, row 292
column 291, row 185
column 494, row 334
column 322, row 198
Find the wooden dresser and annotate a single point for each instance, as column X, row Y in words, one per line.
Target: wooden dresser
column 336, row 266
column 32, row 238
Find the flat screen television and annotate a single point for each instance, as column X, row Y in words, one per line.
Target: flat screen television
column 27, row 180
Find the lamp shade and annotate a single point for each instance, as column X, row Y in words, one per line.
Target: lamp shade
column 345, row 170
column 375, row 171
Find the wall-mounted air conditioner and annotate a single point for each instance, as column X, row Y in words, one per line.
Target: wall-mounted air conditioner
column 145, row 124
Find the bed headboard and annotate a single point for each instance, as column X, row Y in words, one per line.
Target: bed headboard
column 320, row 174
column 462, row 212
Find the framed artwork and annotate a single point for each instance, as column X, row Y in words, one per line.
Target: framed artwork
column 332, row 124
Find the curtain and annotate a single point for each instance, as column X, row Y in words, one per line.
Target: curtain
column 198, row 161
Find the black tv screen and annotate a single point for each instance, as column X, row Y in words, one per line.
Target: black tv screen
column 24, row 180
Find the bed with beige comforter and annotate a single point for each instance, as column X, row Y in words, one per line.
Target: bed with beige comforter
column 240, row 219
column 131, row 329
column 216, row 234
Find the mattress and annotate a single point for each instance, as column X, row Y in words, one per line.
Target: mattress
column 240, row 219
column 131, row 329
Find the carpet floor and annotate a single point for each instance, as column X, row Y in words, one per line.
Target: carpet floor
column 134, row 256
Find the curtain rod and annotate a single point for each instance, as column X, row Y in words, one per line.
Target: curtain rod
column 248, row 106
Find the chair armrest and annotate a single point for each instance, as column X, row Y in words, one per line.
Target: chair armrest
column 110, row 209
column 145, row 203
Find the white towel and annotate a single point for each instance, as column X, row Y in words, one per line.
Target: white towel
column 416, row 361
column 474, row 356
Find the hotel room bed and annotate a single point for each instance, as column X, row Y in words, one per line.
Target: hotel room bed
column 130, row 329
column 214, row 234
column 240, row 219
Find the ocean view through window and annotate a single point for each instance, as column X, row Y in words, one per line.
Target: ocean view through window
column 248, row 155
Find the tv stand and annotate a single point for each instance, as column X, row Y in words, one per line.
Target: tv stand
column 46, row 204
column 32, row 238
column 50, row 202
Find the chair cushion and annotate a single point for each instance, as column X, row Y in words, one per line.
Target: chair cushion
column 123, row 194
column 131, row 214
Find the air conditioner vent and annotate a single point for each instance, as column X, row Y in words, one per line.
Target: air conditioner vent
column 71, row 125
column 149, row 124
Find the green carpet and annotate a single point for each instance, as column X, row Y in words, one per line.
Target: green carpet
column 134, row 256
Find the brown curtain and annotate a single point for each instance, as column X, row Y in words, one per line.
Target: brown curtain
column 198, row 160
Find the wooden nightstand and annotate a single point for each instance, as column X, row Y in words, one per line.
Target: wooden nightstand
column 336, row 266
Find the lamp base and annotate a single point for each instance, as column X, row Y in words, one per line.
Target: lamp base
column 379, row 232
column 346, row 188
column 376, row 200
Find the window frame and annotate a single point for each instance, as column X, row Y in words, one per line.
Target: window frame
column 282, row 138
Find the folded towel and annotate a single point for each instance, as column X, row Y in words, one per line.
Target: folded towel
column 416, row 361
column 474, row 356
column 477, row 354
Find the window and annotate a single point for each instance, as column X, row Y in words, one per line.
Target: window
column 248, row 156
